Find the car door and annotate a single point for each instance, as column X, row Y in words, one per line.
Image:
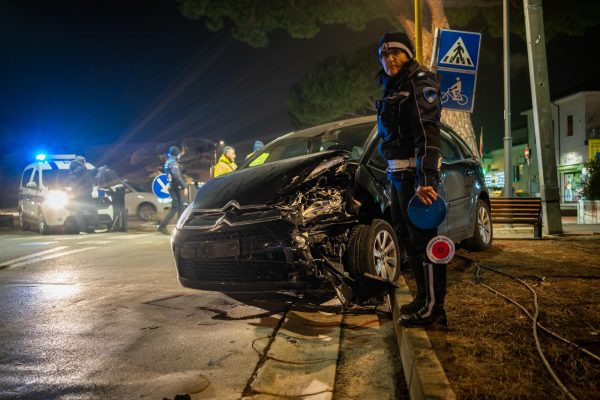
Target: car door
column 456, row 186
column 377, row 166
column 27, row 192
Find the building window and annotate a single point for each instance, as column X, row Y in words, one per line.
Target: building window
column 569, row 125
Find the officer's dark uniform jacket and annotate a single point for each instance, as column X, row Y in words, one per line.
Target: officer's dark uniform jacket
column 80, row 179
column 408, row 122
column 176, row 181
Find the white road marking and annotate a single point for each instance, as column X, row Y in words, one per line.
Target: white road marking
column 129, row 237
column 39, row 253
column 37, row 243
column 66, row 253
column 98, row 242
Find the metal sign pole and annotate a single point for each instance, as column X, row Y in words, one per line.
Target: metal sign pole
column 508, row 174
column 418, row 32
column 542, row 115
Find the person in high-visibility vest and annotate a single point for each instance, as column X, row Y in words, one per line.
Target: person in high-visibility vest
column 226, row 163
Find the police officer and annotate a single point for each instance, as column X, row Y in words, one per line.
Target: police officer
column 81, row 184
column 408, row 117
column 109, row 181
column 177, row 188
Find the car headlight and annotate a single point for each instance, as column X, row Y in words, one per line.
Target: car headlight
column 184, row 216
column 56, row 199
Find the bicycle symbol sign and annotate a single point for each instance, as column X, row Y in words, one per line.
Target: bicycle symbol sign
column 458, row 89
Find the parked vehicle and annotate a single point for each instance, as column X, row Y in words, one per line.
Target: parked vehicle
column 45, row 200
column 142, row 203
column 314, row 206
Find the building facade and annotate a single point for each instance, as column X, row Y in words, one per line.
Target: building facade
column 576, row 127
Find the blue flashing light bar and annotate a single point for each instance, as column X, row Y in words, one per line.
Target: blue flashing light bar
column 40, row 157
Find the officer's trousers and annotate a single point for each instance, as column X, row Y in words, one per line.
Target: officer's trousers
column 176, row 207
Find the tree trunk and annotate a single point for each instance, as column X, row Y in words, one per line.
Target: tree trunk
column 403, row 11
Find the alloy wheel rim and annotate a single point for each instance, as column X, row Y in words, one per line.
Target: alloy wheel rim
column 385, row 255
column 485, row 225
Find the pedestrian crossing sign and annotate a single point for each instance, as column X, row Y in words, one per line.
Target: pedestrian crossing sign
column 458, row 50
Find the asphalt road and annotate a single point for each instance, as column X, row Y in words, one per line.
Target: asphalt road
column 103, row 316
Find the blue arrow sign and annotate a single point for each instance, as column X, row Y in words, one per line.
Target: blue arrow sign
column 457, row 90
column 458, row 50
column 160, row 186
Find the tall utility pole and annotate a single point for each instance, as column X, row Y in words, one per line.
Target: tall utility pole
column 508, row 173
column 542, row 115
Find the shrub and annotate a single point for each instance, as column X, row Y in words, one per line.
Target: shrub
column 591, row 184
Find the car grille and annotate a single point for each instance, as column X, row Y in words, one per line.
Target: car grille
column 233, row 255
column 239, row 242
column 233, row 271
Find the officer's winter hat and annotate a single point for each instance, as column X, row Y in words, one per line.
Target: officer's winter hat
column 258, row 145
column 174, row 151
column 396, row 40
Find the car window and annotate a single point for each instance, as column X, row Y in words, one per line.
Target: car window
column 449, row 149
column 56, row 178
column 26, row 176
column 466, row 152
column 36, row 177
column 376, row 160
column 350, row 138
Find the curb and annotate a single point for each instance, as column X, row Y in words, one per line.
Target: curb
column 423, row 371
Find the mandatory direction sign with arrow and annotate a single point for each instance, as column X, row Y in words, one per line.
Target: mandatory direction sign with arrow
column 160, row 186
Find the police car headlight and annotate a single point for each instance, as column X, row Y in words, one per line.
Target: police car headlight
column 57, row 199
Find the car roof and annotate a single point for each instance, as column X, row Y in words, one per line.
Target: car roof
column 320, row 128
column 56, row 165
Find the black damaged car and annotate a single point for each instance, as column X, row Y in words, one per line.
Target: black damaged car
column 313, row 206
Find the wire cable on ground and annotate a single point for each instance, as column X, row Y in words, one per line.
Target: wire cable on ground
column 535, row 325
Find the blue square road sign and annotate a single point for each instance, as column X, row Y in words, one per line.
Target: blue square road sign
column 457, row 90
column 458, row 50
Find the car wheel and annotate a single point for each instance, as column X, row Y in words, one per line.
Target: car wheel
column 146, row 212
column 42, row 225
column 483, row 233
column 374, row 249
column 24, row 225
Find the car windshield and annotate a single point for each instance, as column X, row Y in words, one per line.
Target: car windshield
column 350, row 138
column 56, row 178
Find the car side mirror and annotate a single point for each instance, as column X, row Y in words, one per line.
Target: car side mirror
column 31, row 185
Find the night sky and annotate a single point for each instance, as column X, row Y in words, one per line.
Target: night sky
column 77, row 74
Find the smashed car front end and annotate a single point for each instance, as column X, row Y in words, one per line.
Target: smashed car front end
column 291, row 240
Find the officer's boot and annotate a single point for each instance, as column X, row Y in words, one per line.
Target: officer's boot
column 416, row 265
column 433, row 311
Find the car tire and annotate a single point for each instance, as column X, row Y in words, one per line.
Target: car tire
column 24, row 225
column 42, row 225
column 483, row 232
column 374, row 249
column 146, row 212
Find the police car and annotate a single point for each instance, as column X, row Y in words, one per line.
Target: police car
column 45, row 196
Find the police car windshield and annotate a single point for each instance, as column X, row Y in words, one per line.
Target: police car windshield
column 55, row 178
column 351, row 139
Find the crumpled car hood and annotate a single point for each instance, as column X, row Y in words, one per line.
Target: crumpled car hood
column 267, row 183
